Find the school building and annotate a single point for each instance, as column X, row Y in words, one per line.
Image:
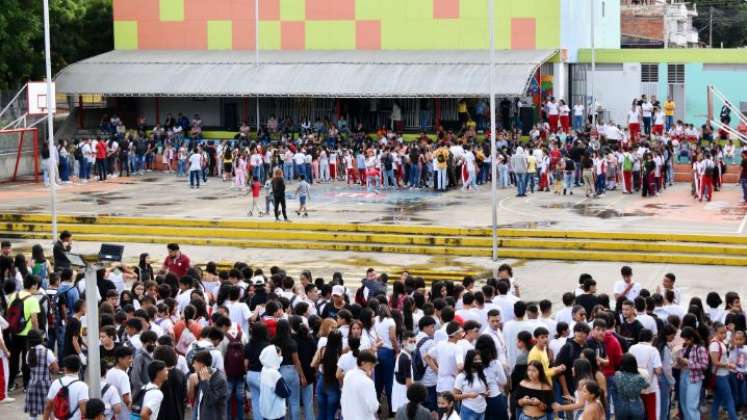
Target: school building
column 310, row 59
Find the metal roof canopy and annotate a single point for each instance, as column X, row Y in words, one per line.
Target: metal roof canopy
column 337, row 74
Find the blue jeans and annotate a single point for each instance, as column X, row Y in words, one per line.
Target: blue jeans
column 257, row 172
column 181, row 168
column 56, row 340
column 235, row 390
column 668, row 121
column 723, row 396
column 307, row 167
column 665, row 396
column 530, row 182
column 64, row 168
column 373, row 182
column 601, row 188
column 327, row 399
column 497, row 408
column 194, row 177
column 689, row 397
column 744, row 189
column 738, row 389
column 578, row 122
column 647, row 125
column 288, row 171
column 503, row 180
column 307, row 398
column 629, row 409
column 467, row 414
column 290, row 375
column 414, row 176
column 384, row 373
column 252, row 382
column 521, row 184
column 568, row 178
column 389, row 180
column 522, row 416
column 431, row 401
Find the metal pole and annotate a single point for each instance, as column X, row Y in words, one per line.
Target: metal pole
column 92, row 334
column 256, row 53
column 593, row 70
column 52, row 161
column 710, row 28
column 493, row 154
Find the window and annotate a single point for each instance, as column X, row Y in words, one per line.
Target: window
column 649, row 73
column 676, row 73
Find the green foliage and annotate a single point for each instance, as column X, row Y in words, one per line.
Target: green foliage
column 729, row 23
column 79, row 29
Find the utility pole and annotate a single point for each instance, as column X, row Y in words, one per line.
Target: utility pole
column 710, row 28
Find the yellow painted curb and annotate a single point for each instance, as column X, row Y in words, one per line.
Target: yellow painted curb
column 601, row 245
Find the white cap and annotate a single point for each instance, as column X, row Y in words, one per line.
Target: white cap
column 258, row 281
column 338, row 290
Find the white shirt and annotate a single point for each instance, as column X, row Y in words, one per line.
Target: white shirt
column 382, row 330
column 578, row 110
column 359, row 400
column 556, row 344
column 152, row 400
column 430, row 378
column 239, row 313
column 121, row 382
column 648, row 358
column 347, row 362
column 195, row 162
column 77, row 393
column 633, row 117
column 552, row 108
column 511, row 331
column 445, row 354
column 676, row 310
column 633, row 293
column 110, row 398
column 506, row 305
column 647, row 108
column 648, row 322
column 565, row 315
column 478, row 404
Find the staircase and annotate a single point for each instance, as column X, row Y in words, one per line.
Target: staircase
column 414, row 240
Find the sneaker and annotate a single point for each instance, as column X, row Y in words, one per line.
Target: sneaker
column 306, row 214
column 7, row 400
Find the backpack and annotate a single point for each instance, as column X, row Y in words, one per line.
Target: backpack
column 137, row 403
column 15, row 315
column 185, row 341
column 40, row 269
column 42, row 317
column 709, row 382
column 234, row 359
column 418, row 365
column 194, row 348
column 625, row 343
column 440, row 158
column 52, row 312
column 61, row 402
column 570, row 165
column 62, row 298
column 78, row 153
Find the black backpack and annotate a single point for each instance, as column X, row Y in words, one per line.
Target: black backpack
column 137, row 403
column 569, row 165
column 418, row 365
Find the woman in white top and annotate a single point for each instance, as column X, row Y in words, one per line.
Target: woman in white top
column 470, row 387
column 386, row 329
column 495, row 375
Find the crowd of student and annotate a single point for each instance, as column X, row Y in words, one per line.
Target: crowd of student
column 241, row 341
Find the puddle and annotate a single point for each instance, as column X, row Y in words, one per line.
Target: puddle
column 208, row 198
column 154, row 204
column 396, row 219
column 603, row 212
column 528, row 225
column 664, row 206
column 149, row 179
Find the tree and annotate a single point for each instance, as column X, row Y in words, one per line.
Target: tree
column 729, row 23
column 79, row 29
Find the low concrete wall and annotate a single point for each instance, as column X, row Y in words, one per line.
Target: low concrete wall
column 8, row 164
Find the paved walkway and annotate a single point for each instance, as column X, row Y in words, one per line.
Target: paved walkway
column 157, row 194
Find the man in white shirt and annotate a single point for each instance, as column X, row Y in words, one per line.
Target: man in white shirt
column 645, row 319
column 578, row 116
column 626, row 288
column 468, row 311
column 647, row 110
column 443, row 358
column 153, row 396
column 648, row 359
column 505, row 301
column 359, row 400
column 119, row 380
column 238, row 312
column 565, row 314
column 667, row 283
column 511, row 330
column 109, row 396
column 424, row 344
column 77, row 390
column 493, row 330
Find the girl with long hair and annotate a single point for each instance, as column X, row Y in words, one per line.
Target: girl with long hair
column 447, row 406
column 328, row 387
column 533, row 395
column 386, row 330
column 290, row 367
column 629, row 384
column 144, row 268
column 260, row 338
column 470, row 388
column 306, row 348
column 495, row 399
column 42, row 363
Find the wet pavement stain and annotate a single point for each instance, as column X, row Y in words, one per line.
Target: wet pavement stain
column 528, row 225
column 665, row 206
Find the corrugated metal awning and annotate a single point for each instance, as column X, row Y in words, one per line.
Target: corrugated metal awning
column 339, row 74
